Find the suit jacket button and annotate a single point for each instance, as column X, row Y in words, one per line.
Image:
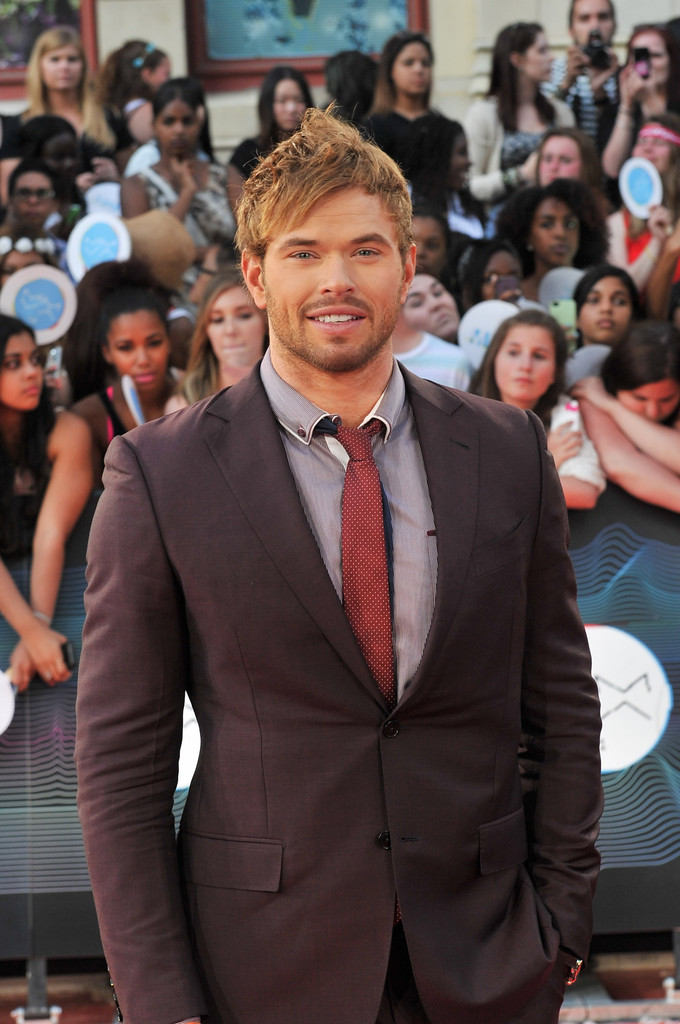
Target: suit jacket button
column 384, row 840
column 391, row 729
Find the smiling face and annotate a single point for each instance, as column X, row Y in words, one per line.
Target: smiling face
column 137, row 344
column 430, row 308
column 655, row 401
column 525, row 365
column 606, row 314
column 177, row 128
column 21, row 375
column 332, row 286
column 560, row 158
column 61, row 70
column 412, row 71
column 235, row 328
column 554, row 235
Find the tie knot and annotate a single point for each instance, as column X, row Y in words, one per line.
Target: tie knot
column 357, row 441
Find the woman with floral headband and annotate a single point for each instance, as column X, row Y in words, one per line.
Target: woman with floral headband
column 19, row 249
column 638, row 245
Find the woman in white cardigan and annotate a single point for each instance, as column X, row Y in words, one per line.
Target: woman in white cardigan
column 505, row 128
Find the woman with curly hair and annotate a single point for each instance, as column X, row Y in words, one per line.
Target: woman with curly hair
column 505, row 128
column 561, row 225
column 127, row 81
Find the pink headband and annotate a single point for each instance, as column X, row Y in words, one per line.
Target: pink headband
column 657, row 131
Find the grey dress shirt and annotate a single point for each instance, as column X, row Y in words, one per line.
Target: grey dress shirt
column 318, row 462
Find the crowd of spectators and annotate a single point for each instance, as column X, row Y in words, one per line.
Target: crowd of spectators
column 525, row 190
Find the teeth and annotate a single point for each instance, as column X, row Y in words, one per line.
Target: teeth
column 335, row 318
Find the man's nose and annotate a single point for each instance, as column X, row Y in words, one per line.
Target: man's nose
column 337, row 276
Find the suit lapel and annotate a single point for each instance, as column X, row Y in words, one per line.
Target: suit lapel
column 450, row 447
column 244, row 439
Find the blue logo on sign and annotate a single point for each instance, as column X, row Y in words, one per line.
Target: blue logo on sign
column 99, row 244
column 40, row 304
column 640, row 185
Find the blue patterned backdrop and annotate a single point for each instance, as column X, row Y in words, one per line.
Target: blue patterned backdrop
column 245, row 29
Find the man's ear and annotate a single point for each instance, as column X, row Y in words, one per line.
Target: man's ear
column 409, row 271
column 251, row 268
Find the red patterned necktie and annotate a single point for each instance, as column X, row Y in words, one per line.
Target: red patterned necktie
column 365, row 581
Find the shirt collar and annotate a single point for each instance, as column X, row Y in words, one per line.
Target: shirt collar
column 300, row 417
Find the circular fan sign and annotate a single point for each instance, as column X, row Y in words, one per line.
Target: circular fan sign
column 44, row 298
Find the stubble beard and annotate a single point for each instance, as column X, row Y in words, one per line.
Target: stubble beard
column 334, row 357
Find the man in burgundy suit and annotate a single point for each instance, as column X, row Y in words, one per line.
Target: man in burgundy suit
column 348, row 854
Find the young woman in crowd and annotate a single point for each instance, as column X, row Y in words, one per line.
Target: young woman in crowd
column 45, row 482
column 192, row 189
column 633, row 413
column 607, row 304
column 638, row 245
column 442, row 181
column 489, row 270
column 504, row 130
column 524, row 366
column 401, row 117
column 433, row 241
column 284, row 97
column 127, row 81
column 53, row 141
column 646, row 90
column 561, row 225
column 57, row 82
column 120, row 330
column 430, row 308
column 229, row 338
column 568, row 153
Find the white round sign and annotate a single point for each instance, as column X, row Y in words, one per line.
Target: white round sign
column 635, row 696
column 479, row 325
column 558, row 284
column 97, row 238
column 640, row 186
column 44, row 298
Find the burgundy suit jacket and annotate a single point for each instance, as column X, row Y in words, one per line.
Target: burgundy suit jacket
column 312, row 803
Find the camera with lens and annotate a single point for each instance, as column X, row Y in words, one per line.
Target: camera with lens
column 596, row 51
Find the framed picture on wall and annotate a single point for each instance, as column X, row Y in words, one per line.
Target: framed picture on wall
column 232, row 45
column 24, row 20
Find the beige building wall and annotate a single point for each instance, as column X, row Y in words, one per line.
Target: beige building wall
column 462, row 33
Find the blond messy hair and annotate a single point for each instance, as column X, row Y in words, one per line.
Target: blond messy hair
column 325, row 155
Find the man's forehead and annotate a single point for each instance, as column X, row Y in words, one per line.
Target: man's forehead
column 343, row 204
column 588, row 8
